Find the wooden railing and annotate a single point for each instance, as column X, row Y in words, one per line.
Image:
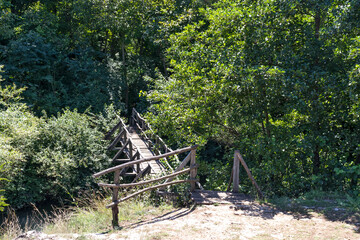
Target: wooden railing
column 127, row 147
column 191, row 157
column 152, row 140
column 234, row 178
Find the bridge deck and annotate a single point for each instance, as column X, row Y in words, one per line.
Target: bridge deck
column 205, row 197
column 156, row 166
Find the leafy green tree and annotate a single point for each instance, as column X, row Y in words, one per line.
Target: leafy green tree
column 268, row 78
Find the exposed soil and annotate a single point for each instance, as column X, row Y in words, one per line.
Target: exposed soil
column 246, row 221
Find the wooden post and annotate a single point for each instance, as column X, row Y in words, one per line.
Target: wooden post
column 193, row 171
column 115, row 210
column 138, row 165
column 130, row 149
column 235, row 172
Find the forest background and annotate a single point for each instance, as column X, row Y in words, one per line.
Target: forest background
column 277, row 79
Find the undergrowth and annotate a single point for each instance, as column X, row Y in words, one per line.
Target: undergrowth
column 89, row 215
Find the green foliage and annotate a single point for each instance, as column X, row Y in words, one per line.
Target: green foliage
column 273, row 80
column 2, row 198
column 48, row 158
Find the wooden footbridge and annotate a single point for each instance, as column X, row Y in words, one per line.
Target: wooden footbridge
column 138, row 151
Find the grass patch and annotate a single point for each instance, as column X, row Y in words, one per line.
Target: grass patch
column 317, row 200
column 96, row 218
column 89, row 216
column 334, row 206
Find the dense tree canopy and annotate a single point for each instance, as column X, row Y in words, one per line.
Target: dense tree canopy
column 275, row 79
column 279, row 80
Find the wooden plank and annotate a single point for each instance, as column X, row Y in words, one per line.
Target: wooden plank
column 112, row 169
column 249, row 174
column 236, row 172
column 150, row 188
column 216, row 197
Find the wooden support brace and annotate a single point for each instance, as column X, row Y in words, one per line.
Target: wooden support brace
column 116, row 140
column 249, row 174
column 121, row 150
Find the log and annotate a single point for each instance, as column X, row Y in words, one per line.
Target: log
column 112, row 169
column 150, row 188
column 249, row 174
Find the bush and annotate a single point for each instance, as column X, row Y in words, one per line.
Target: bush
column 48, row 158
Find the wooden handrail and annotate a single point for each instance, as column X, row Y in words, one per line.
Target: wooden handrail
column 150, row 188
column 111, row 132
column 138, row 116
column 146, row 182
column 112, row 169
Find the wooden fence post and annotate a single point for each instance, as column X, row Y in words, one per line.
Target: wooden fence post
column 115, row 210
column 130, row 149
column 193, row 171
column 138, row 165
column 235, row 172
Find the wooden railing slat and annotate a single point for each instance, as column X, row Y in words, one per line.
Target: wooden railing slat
column 237, row 153
column 181, row 166
column 116, row 140
column 150, row 188
column 146, row 182
column 112, row 169
column 121, row 150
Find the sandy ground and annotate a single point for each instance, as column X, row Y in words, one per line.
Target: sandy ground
column 243, row 222
column 226, row 222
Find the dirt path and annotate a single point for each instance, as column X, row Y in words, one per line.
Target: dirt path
column 247, row 221
column 229, row 222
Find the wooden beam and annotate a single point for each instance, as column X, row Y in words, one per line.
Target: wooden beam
column 116, row 140
column 150, row 188
column 111, row 132
column 249, row 174
column 112, row 169
column 142, row 173
column 121, row 150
